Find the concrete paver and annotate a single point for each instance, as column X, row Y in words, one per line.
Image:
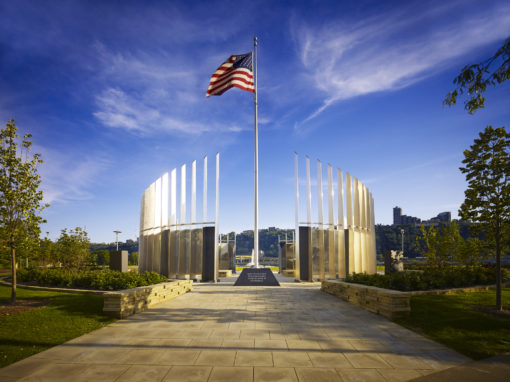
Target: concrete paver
column 317, row 375
column 219, row 332
column 275, row 374
column 144, row 373
column 188, row 374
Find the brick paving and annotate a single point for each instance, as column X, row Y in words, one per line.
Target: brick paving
column 224, row 333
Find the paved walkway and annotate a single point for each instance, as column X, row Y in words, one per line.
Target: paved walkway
column 224, row 333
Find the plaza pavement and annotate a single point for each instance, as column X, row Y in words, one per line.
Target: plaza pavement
column 222, row 333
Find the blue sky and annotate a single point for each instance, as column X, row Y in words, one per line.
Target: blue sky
column 114, row 95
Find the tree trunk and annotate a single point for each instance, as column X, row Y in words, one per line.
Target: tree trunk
column 13, row 264
column 499, row 305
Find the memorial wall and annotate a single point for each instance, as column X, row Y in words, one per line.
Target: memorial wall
column 175, row 243
column 344, row 242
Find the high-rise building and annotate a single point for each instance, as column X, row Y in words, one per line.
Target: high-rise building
column 399, row 219
column 397, row 215
column 445, row 217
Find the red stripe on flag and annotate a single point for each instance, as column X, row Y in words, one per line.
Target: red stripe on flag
column 252, row 90
column 227, row 77
column 241, row 82
column 234, row 75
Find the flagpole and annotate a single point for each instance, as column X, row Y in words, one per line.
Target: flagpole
column 256, row 203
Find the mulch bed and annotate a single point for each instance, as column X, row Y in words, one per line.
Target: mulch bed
column 21, row 306
column 491, row 310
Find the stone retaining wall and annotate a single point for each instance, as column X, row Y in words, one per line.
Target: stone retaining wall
column 388, row 303
column 124, row 303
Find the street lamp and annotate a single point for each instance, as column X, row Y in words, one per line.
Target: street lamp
column 402, row 233
column 117, row 238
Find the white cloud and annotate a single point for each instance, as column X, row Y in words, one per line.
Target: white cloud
column 394, row 50
column 117, row 109
column 68, row 177
column 146, row 93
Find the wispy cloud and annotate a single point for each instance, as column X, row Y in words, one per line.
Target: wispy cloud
column 144, row 93
column 391, row 51
column 68, row 178
column 411, row 169
column 118, row 109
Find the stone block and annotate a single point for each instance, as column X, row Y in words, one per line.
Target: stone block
column 119, row 261
column 124, row 303
column 388, row 303
column 289, row 273
column 225, row 273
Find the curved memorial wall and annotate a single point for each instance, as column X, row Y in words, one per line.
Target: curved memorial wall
column 173, row 242
column 343, row 242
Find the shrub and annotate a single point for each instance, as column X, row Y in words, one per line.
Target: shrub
column 95, row 279
column 430, row 278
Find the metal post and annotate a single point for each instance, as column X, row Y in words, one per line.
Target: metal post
column 296, row 175
column 256, row 212
column 308, row 193
column 402, row 233
column 117, row 238
column 217, row 217
column 204, row 196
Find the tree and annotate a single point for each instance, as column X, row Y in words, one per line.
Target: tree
column 46, row 251
column 440, row 246
column 101, row 257
column 133, row 258
column 471, row 251
column 474, row 79
column 20, row 197
column 72, row 248
column 487, row 203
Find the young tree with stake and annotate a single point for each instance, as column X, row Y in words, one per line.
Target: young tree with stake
column 20, row 196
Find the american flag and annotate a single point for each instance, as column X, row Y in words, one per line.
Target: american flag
column 236, row 71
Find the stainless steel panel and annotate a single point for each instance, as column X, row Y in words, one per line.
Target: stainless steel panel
column 156, row 253
column 173, row 254
column 173, row 197
column 340, row 188
column 182, row 215
column 319, row 194
column 340, row 250
column 193, row 211
column 184, row 252
column 348, row 203
column 196, row 251
column 317, row 247
column 164, row 199
column 331, row 254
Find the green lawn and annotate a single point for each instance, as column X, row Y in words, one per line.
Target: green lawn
column 68, row 316
column 447, row 319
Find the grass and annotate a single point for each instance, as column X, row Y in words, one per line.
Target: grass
column 67, row 316
column 447, row 319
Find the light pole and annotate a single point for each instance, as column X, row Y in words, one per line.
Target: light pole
column 402, row 233
column 117, row 238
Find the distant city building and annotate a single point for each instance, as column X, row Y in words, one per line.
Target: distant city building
column 399, row 219
column 406, row 220
column 397, row 215
column 445, row 216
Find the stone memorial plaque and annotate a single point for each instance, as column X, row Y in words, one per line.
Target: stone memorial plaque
column 256, row 277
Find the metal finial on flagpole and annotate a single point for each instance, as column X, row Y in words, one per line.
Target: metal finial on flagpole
column 256, row 204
